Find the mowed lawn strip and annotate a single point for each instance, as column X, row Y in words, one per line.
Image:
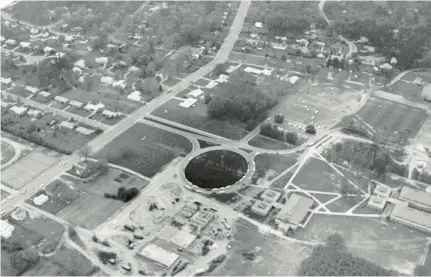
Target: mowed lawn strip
column 145, row 149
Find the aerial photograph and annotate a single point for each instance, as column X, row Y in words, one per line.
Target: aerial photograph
column 215, row 138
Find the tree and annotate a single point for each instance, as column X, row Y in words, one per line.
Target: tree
column 310, row 129
column 219, row 69
column 151, row 69
column 279, row 118
column 31, row 128
column 150, row 86
column 24, row 259
column 106, row 27
column 85, row 152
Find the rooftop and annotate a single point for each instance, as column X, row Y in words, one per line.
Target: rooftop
column 159, row 254
column 412, row 215
column 295, row 209
column 414, row 195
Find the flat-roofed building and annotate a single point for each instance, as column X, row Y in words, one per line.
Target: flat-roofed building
column 222, row 78
column 135, row 96
column 411, row 217
column 32, row 90
column 61, row 99
column 34, row 113
column 416, row 198
column 261, row 208
column 188, row 210
column 188, row 103
column 6, row 81
column 293, row 212
column 382, row 190
column 67, row 125
column 195, row 93
column 19, row 214
column 84, row 131
column 377, row 203
column 270, row 196
column 21, row 111
column 159, row 255
column 39, row 200
column 6, row 229
column 201, row 219
column 76, row 104
column 94, row 107
column 44, row 94
column 180, row 237
column 253, row 70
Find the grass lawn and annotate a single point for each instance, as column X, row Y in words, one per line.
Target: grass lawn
column 90, row 210
column 66, row 261
column 319, row 176
column 268, row 143
column 4, row 194
column 145, row 149
column 376, row 240
column 273, row 162
column 7, row 152
column 344, row 203
column 283, row 180
column 80, row 112
column 196, row 117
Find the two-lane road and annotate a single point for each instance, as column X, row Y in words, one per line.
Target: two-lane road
column 116, row 130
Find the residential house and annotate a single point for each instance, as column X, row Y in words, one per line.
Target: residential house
column 76, row 104
column 48, row 50
column 25, row 45
column 34, row 113
column 101, row 60
column 84, row 131
column 106, row 80
column 6, row 81
column 67, row 125
column 120, row 84
column 11, row 42
column 61, row 99
column 32, row 90
column 44, row 94
column 258, row 24
column 109, row 114
column 19, row 110
column 135, row 96
column 94, row 108
column 80, row 64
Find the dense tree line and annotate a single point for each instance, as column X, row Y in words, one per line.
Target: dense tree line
column 394, row 28
column 273, row 131
column 241, row 99
column 332, row 259
column 123, row 194
column 286, row 17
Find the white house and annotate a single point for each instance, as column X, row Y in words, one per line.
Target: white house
column 119, row 84
column 11, row 42
column 84, row 131
column 279, row 46
column 135, row 96
column 6, row 81
column 109, row 114
column 25, row 44
column 195, row 93
column 101, row 60
column 76, row 104
column 45, row 94
column 34, row 31
column 293, row 79
column 32, row 90
column 39, row 200
column 68, row 38
column 94, row 108
column 106, row 80
column 34, row 113
column 19, row 110
column 394, row 61
column 222, row 78
column 77, row 71
column 188, row 103
column 211, row 85
column 80, row 64
column 48, row 50
column 258, row 24
column 281, row 38
column 61, row 99
column 253, row 70
column 67, row 125
column 267, row 72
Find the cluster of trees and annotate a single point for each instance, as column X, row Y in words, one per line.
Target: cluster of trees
column 286, row 17
column 148, row 86
column 332, row 259
column 241, row 99
column 123, row 194
column 378, row 21
column 273, row 131
column 22, row 260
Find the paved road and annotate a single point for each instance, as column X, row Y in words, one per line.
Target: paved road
column 103, row 139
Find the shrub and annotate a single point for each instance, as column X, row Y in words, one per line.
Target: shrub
column 106, row 256
column 310, row 129
column 279, row 118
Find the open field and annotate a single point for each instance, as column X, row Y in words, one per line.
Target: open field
column 196, row 117
column 268, row 143
column 410, row 90
column 4, row 194
column 7, row 152
column 26, row 168
column 89, row 210
column 145, row 149
column 389, row 117
column 272, row 164
column 283, row 180
column 273, row 255
column 66, row 261
column 318, row 175
column 389, row 244
column 344, row 203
